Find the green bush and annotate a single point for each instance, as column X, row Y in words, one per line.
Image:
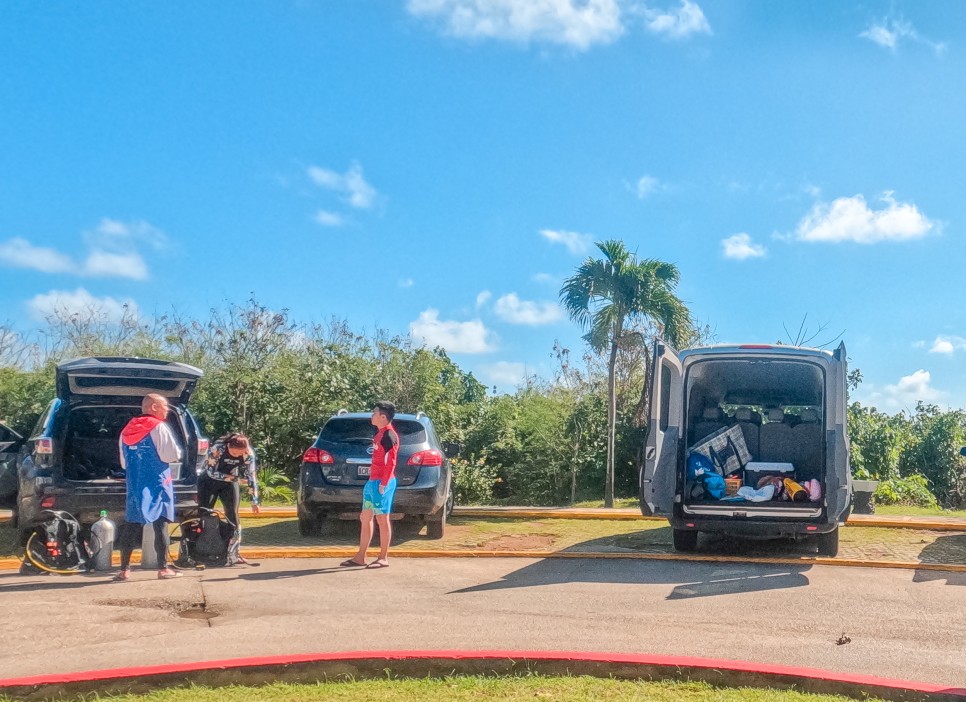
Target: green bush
column 473, row 482
column 912, row 491
column 273, row 486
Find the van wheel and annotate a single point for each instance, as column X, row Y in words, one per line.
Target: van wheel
column 310, row 527
column 828, row 544
column 685, row 540
column 436, row 528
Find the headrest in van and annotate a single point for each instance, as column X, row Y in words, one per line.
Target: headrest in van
column 743, row 414
column 776, row 414
column 810, row 416
column 712, row 414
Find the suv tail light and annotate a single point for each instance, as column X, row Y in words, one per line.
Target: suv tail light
column 431, row 457
column 48, row 502
column 45, row 446
column 317, row 455
column 202, row 447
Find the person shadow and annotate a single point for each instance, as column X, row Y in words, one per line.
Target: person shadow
column 947, row 550
column 690, row 578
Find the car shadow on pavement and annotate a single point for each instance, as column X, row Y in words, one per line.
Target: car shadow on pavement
column 947, row 549
column 15, row 582
column 690, row 580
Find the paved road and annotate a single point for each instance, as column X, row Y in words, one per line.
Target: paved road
column 903, row 624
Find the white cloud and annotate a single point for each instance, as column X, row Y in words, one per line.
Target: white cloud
column 328, row 219
column 575, row 23
column 351, row 184
column 740, row 247
column 890, row 31
column 948, row 345
column 406, row 283
column 910, row 389
column 851, row 219
column 576, row 243
column 677, row 23
column 504, row 373
column 512, row 309
column 455, row 337
column 646, row 186
column 20, row 253
column 115, row 235
column 63, row 304
column 113, row 252
column 105, row 264
column 545, row 278
column 482, row 298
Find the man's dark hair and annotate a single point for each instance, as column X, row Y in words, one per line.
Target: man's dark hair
column 387, row 408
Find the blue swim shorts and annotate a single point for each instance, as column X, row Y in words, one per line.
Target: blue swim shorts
column 379, row 504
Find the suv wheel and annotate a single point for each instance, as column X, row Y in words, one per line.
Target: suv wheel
column 828, row 544
column 450, row 504
column 684, row 540
column 309, row 526
column 435, row 528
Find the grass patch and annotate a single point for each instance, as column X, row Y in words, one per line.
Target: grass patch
column 618, row 502
column 476, row 688
column 906, row 511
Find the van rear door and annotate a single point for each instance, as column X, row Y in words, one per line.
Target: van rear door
column 838, row 473
column 658, row 478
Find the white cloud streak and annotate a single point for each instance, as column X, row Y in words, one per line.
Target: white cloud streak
column 482, row 298
column 851, row 219
column 113, row 252
column 891, row 31
column 504, row 373
column 329, row 219
column 575, row 242
column 64, row 304
column 579, row 24
column 455, row 337
column 646, row 186
column 512, row 309
column 352, row 185
column 948, row 345
column 741, row 247
column 677, row 23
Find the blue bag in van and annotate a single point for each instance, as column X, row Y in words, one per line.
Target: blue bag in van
column 701, row 471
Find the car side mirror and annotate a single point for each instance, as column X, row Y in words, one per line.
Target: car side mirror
column 452, row 449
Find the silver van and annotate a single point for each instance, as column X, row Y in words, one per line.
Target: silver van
column 785, row 406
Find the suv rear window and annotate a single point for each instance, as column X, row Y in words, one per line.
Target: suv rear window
column 361, row 431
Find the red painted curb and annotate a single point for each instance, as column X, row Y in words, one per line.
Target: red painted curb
column 335, row 665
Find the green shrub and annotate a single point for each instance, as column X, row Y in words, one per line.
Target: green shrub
column 911, row 491
column 273, row 486
column 473, row 482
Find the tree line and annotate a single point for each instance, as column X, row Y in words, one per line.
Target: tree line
column 575, row 436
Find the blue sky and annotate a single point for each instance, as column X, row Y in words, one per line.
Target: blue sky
column 436, row 167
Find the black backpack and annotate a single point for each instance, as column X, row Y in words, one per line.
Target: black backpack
column 204, row 541
column 58, row 545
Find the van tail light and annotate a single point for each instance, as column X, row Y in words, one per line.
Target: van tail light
column 45, row 447
column 317, row 455
column 431, row 457
column 47, row 502
column 203, row 447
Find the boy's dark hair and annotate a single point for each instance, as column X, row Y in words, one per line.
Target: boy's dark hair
column 387, row 408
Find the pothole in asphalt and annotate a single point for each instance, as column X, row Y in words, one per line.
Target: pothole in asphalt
column 188, row 609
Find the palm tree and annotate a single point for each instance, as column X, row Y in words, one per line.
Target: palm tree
column 609, row 298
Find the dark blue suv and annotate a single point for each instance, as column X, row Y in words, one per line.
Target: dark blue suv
column 71, row 461
column 336, row 467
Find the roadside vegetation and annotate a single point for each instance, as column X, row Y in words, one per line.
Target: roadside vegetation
column 474, row 688
column 574, row 438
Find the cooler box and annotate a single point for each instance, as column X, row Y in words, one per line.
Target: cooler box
column 756, row 470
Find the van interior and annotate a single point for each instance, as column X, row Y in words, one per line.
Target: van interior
column 778, row 408
column 91, row 450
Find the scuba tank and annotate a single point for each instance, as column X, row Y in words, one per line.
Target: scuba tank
column 103, row 531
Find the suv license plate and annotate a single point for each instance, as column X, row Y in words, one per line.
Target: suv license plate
column 364, row 471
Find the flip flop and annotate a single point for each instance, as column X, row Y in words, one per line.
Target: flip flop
column 352, row 564
column 122, row 577
column 376, row 564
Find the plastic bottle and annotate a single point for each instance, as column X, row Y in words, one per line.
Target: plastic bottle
column 104, row 532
